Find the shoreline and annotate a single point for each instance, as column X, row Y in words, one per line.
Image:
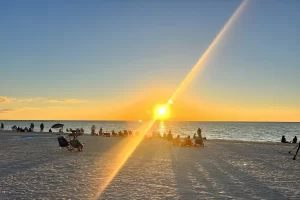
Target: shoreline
column 15, row 133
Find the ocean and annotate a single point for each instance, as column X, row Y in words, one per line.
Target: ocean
column 244, row 131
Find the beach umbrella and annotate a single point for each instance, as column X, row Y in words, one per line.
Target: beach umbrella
column 57, row 126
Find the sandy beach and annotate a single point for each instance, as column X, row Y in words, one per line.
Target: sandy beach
column 36, row 168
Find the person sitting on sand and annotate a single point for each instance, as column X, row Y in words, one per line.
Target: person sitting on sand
column 295, row 140
column 176, row 141
column 188, row 142
column 283, row 140
column 170, row 136
column 76, row 144
column 125, row 133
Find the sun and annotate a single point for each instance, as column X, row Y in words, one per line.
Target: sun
column 162, row 112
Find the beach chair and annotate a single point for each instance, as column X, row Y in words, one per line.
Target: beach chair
column 63, row 143
column 76, row 144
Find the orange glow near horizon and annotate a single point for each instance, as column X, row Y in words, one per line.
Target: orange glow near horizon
column 129, row 147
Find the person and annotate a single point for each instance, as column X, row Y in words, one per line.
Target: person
column 93, row 130
column 199, row 139
column 295, row 140
column 32, row 126
column 176, row 141
column 2, row 126
column 188, row 141
column 42, row 127
column 50, row 131
column 170, row 136
column 100, row 131
column 283, row 140
column 75, row 143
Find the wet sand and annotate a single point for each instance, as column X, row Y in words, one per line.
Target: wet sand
column 36, row 168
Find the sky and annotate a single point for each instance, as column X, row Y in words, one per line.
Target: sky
column 116, row 60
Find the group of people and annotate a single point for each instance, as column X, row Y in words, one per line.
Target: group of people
column 283, row 140
column 187, row 142
column 198, row 139
column 124, row 133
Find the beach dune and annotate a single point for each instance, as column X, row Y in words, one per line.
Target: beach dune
column 36, row 168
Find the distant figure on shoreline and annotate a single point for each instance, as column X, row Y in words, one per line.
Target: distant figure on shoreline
column 199, row 139
column 283, row 140
column 42, row 127
column 2, row 126
column 32, row 126
column 93, row 130
column 295, row 140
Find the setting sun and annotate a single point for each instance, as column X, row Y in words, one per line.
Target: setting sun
column 162, row 112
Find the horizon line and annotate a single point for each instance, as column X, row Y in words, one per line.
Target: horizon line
column 241, row 121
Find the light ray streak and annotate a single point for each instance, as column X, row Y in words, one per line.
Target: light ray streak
column 124, row 153
column 200, row 63
column 131, row 145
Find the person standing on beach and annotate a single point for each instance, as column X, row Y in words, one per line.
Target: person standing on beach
column 42, row 127
column 32, row 126
column 199, row 139
column 2, row 126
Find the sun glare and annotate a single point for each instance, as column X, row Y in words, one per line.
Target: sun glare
column 162, row 112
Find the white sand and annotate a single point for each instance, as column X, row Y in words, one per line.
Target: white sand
column 39, row 169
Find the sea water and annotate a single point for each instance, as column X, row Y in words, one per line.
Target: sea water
column 245, row 131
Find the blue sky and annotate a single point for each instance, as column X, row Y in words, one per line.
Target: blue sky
column 111, row 49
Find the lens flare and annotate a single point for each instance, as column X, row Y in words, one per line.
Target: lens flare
column 128, row 148
column 200, row 63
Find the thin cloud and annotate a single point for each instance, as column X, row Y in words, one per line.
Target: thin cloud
column 7, row 110
column 65, row 101
column 4, row 99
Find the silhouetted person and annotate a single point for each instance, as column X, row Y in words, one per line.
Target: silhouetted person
column 295, row 139
column 50, row 131
column 169, row 136
column 199, row 139
column 2, row 126
column 283, row 140
column 32, row 126
column 42, row 127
